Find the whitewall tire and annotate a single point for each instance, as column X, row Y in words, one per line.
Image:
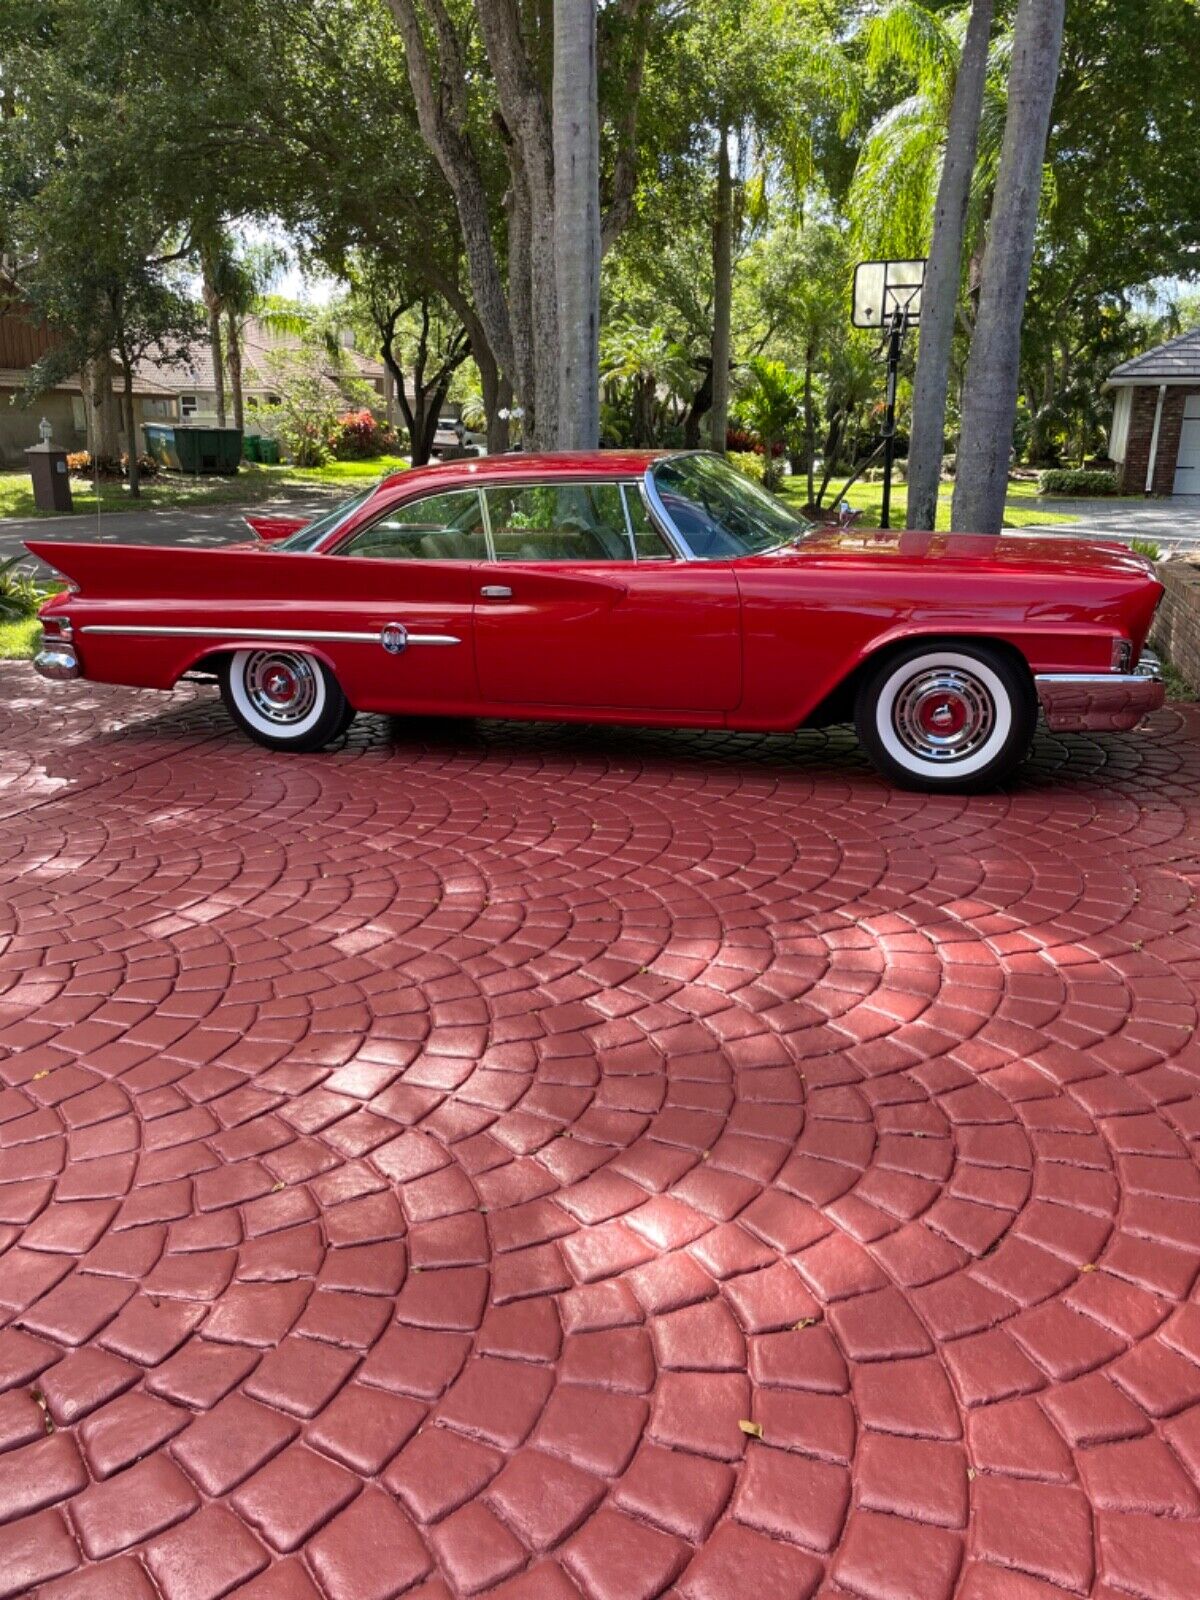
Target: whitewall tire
column 947, row 717
column 284, row 699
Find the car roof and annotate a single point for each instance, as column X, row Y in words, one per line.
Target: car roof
column 517, row 464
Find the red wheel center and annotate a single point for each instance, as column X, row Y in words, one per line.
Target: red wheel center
column 280, row 685
column 943, row 715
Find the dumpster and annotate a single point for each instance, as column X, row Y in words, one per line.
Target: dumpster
column 250, row 446
column 184, row 448
column 268, row 450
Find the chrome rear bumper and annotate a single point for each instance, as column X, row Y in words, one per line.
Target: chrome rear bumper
column 57, row 661
column 1101, row 702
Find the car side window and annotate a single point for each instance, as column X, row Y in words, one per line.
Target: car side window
column 558, row 522
column 647, row 541
column 442, row 527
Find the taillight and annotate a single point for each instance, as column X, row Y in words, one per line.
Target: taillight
column 57, row 627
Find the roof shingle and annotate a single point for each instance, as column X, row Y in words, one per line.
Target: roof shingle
column 1177, row 361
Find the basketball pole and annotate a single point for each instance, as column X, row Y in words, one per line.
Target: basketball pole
column 894, row 345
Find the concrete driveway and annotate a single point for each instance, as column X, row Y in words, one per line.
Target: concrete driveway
column 1173, row 525
column 546, row 1163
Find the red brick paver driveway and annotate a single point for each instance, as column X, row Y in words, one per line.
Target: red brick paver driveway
column 546, row 1164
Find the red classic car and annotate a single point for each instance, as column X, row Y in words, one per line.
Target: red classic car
column 624, row 587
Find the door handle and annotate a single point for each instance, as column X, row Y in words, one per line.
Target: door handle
column 496, row 591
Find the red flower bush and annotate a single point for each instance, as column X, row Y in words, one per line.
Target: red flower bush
column 361, row 435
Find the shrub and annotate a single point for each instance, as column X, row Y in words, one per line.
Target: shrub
column 949, row 466
column 1147, row 548
column 754, row 466
column 361, row 435
column 109, row 468
column 1076, row 482
column 740, row 441
column 20, row 596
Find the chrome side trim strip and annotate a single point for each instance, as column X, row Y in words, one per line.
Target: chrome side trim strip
column 298, row 635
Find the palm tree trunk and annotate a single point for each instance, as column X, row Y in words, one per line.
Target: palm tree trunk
column 718, row 420
column 990, row 392
column 577, row 223
column 233, row 346
column 943, row 275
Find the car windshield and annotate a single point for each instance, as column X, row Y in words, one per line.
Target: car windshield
column 311, row 534
column 718, row 512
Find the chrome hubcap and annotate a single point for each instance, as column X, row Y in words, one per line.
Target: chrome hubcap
column 281, row 685
column 943, row 715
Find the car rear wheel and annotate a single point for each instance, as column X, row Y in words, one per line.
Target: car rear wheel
column 947, row 718
column 284, row 699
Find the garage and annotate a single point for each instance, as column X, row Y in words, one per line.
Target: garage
column 1155, row 437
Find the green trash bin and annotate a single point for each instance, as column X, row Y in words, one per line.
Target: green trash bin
column 268, row 451
column 250, row 447
column 208, row 449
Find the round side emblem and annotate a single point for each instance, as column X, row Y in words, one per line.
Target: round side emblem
column 394, row 638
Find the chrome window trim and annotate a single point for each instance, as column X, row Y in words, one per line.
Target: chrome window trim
column 231, row 635
column 661, row 515
column 670, row 553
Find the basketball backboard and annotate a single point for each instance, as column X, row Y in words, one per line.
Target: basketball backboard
column 881, row 288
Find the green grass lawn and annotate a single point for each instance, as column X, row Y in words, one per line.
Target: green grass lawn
column 868, row 498
column 19, row 639
column 172, row 489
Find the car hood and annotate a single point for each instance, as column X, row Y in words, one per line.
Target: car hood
column 1006, row 551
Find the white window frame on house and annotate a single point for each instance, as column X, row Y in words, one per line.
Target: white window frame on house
column 188, row 406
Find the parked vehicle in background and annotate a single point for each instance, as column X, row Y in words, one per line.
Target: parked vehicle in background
column 622, row 586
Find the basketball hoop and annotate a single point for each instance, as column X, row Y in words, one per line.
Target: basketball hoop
column 885, row 290
column 887, row 297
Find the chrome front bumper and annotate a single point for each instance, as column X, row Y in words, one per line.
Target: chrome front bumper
column 1101, row 702
column 57, row 661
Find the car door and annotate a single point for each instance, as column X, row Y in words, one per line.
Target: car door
column 409, row 576
column 583, row 604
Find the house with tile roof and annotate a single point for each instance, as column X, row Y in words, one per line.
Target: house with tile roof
column 194, row 386
column 1155, row 438
column 164, row 391
column 24, row 339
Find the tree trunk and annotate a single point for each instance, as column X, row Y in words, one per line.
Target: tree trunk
column 577, row 224
column 699, row 404
column 943, row 275
column 103, row 410
column 520, row 285
column 531, row 154
column 990, row 392
column 218, row 366
column 135, row 488
column 233, row 347
column 443, row 117
column 718, row 421
column 810, row 423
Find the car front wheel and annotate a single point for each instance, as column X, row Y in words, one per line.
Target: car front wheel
column 954, row 717
column 285, row 699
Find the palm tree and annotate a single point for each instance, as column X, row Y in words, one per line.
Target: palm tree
column 943, row 274
column 990, row 392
